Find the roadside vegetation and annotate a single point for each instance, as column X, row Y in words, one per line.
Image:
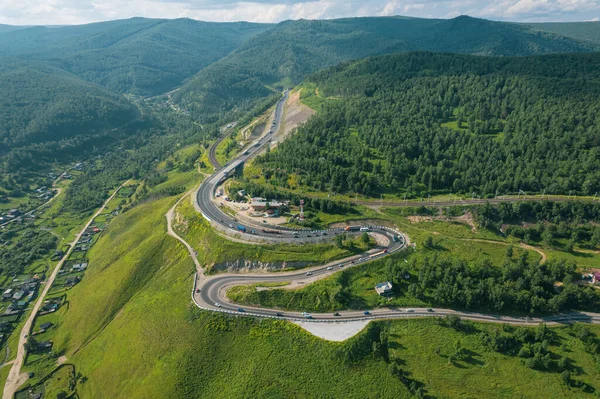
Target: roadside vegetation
column 136, row 301
column 464, row 261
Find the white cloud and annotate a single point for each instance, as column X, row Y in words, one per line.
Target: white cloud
column 29, row 12
column 551, row 10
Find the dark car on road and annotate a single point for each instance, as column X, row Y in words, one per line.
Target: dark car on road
column 336, row 314
column 366, row 312
column 241, row 310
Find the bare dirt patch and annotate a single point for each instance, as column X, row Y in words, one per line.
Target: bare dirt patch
column 363, row 222
column 296, row 114
column 467, row 219
column 539, row 251
column 420, row 219
column 336, row 332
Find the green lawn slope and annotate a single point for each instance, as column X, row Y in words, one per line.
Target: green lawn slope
column 131, row 330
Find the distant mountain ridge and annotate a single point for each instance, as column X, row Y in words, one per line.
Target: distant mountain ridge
column 284, row 55
column 138, row 55
column 584, row 31
column 66, row 82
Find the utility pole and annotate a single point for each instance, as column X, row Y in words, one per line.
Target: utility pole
column 405, row 201
column 381, row 199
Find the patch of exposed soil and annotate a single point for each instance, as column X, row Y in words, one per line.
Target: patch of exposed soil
column 296, row 113
column 244, row 265
column 467, row 219
column 363, row 222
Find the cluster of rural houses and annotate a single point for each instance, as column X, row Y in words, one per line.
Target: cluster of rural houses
column 20, row 294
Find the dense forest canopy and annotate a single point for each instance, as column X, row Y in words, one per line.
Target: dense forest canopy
column 439, row 123
column 41, row 103
column 138, row 55
column 285, row 54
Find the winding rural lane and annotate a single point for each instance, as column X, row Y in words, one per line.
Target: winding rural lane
column 15, row 379
column 170, row 218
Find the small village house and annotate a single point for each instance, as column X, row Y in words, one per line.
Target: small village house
column 384, row 289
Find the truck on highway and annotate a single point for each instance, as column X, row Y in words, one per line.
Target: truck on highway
column 241, row 228
column 365, row 229
column 352, row 228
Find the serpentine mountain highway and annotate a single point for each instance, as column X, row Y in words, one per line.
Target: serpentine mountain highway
column 210, row 293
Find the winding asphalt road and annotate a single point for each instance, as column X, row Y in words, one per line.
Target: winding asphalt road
column 212, row 151
column 210, row 293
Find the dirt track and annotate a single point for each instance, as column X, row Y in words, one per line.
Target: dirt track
column 15, row 379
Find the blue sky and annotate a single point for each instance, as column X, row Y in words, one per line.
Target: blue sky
column 58, row 12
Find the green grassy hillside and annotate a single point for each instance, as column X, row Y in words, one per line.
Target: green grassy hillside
column 131, row 330
column 134, row 303
column 285, row 54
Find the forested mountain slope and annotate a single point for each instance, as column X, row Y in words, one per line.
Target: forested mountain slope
column 8, row 28
column 585, row 31
column 440, row 123
column 40, row 103
column 287, row 53
column 140, row 56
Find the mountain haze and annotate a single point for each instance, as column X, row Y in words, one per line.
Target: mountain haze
column 284, row 55
column 138, row 55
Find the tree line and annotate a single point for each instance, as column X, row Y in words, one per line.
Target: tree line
column 440, row 123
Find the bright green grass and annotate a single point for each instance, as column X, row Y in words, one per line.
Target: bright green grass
column 486, row 374
column 208, row 167
column 585, row 260
column 310, row 98
column 13, row 340
column 179, row 179
column 60, row 381
column 449, row 234
column 360, row 281
column 222, row 156
column 4, row 370
column 132, row 330
column 134, row 305
column 14, row 202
